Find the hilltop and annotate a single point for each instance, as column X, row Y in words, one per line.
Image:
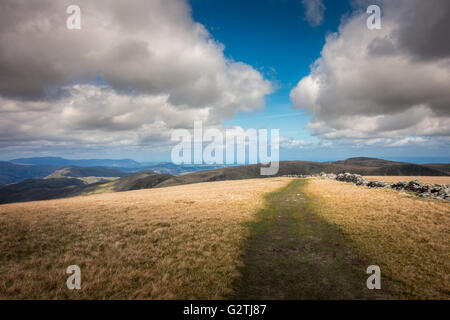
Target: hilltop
column 137, row 181
column 73, row 181
column 363, row 166
column 86, row 172
column 443, row 167
column 380, row 167
column 10, row 172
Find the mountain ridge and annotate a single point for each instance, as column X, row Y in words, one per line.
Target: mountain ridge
column 36, row 189
column 59, row 161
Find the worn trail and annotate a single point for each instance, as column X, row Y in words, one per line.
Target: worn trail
column 295, row 254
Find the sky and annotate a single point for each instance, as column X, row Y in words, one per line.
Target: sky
column 136, row 70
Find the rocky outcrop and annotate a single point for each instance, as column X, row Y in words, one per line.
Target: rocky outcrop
column 434, row 191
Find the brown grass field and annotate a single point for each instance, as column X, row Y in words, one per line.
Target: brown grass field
column 429, row 180
column 188, row 242
column 180, row 242
column 408, row 237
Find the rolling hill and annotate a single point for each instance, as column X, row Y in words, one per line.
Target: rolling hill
column 40, row 189
column 363, row 166
column 10, row 172
column 125, row 165
column 363, row 162
column 137, row 181
column 250, row 172
column 380, row 167
column 443, row 167
column 61, row 187
column 72, row 184
column 241, row 239
column 80, row 172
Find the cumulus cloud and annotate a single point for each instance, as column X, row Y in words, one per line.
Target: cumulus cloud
column 388, row 83
column 314, row 10
column 295, row 143
column 135, row 70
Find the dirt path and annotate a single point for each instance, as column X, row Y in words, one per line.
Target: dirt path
column 294, row 254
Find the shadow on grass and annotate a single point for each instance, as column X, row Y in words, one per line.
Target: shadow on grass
column 293, row 253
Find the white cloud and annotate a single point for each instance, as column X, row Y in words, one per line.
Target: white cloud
column 162, row 71
column 314, row 10
column 295, row 143
column 371, row 84
column 407, row 141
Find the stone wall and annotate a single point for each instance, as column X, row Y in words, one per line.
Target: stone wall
column 434, row 191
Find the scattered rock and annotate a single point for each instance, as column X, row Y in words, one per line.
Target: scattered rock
column 355, row 178
column 378, row 184
column 435, row 191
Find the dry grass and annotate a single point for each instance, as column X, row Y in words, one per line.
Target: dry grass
column 408, row 237
column 89, row 180
column 180, row 242
column 429, row 180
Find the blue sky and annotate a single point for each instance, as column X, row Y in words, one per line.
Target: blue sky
column 273, row 37
column 119, row 85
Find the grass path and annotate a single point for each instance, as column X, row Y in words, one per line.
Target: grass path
column 295, row 254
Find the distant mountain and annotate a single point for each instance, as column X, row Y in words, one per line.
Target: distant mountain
column 443, row 167
column 406, row 170
column 140, row 180
column 40, row 189
column 56, row 167
column 10, row 172
column 68, row 185
column 53, row 188
column 126, row 165
column 363, row 166
column 250, row 172
column 57, row 161
column 174, row 169
column 80, row 172
column 362, row 162
column 380, row 167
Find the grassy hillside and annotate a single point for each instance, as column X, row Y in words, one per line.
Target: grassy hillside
column 99, row 178
column 81, row 172
column 405, row 170
column 181, row 242
column 427, row 180
column 140, row 180
column 408, row 237
column 307, row 239
column 53, row 188
column 380, row 167
column 363, row 162
column 40, row 189
column 10, row 172
column 364, row 166
column 444, row 167
column 250, row 172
